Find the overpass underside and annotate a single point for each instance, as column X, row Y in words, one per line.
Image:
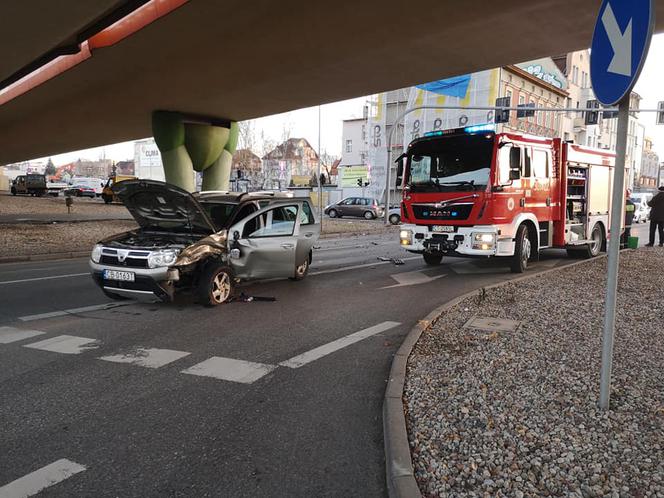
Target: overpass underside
column 237, row 60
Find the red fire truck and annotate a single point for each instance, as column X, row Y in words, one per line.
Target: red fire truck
column 474, row 192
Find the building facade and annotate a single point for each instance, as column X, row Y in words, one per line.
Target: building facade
column 291, row 163
column 649, row 174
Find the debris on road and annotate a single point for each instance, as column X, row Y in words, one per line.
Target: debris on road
column 244, row 298
column 515, row 413
column 396, row 261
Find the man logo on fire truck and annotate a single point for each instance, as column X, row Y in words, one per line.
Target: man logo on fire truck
column 473, row 192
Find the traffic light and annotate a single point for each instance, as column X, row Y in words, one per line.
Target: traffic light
column 359, row 182
column 592, row 118
column 524, row 111
column 502, row 116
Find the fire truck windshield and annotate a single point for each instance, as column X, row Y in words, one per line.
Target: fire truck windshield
column 450, row 163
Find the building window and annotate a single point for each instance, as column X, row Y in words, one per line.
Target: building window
column 349, row 146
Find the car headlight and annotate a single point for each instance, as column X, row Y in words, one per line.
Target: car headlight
column 484, row 241
column 406, row 237
column 96, row 253
column 165, row 257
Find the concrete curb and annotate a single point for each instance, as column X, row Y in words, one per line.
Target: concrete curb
column 44, row 257
column 401, row 481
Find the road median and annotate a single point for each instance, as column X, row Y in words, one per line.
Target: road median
column 515, row 413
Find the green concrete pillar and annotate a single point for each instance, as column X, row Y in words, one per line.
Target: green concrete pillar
column 188, row 147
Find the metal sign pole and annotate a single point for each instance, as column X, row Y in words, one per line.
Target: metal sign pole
column 617, row 202
column 320, row 183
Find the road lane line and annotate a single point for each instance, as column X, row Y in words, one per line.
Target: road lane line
column 356, row 267
column 41, row 479
column 245, row 372
column 66, row 344
column 12, row 334
column 331, row 347
column 147, row 357
column 69, row 275
column 73, row 311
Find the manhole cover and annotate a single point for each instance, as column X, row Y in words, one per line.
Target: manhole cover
column 492, row 324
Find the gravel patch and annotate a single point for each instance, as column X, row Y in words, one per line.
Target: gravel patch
column 336, row 227
column 515, row 413
column 29, row 240
column 26, row 205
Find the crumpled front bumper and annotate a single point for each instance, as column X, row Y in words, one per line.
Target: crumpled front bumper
column 149, row 282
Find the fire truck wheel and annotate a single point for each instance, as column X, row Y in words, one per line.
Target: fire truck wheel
column 432, row 259
column 522, row 251
column 594, row 248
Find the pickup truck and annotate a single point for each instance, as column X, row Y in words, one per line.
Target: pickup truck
column 32, row 183
column 54, row 188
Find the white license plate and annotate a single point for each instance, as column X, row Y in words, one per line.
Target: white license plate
column 125, row 276
column 443, row 228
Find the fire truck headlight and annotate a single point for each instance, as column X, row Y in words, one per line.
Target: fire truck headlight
column 484, row 241
column 406, row 237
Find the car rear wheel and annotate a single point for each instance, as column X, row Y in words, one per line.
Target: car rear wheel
column 215, row 285
column 432, row 258
column 302, row 270
column 395, row 219
column 368, row 215
column 333, row 213
column 593, row 249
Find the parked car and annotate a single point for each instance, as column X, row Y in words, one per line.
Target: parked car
column 394, row 215
column 32, row 183
column 362, row 207
column 206, row 242
column 107, row 191
column 97, row 184
column 80, row 191
column 641, row 210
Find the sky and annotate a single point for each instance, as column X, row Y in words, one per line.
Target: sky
column 304, row 122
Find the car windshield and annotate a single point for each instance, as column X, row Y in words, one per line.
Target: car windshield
column 451, row 163
column 219, row 212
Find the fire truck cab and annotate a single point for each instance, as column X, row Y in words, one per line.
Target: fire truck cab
column 476, row 193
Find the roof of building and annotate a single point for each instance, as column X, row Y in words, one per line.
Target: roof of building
column 287, row 150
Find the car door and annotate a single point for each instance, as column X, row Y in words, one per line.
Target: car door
column 308, row 232
column 266, row 243
column 344, row 207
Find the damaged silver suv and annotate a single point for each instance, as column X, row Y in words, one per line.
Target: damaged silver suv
column 205, row 241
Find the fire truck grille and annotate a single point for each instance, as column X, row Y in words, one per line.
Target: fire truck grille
column 452, row 212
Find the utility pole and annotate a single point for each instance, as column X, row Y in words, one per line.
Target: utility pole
column 320, row 183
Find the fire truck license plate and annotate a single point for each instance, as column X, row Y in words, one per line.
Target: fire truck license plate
column 125, row 276
column 443, row 228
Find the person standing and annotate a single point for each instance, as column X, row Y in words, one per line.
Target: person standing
column 657, row 218
column 630, row 207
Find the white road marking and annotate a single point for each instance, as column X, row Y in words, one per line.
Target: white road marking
column 229, row 369
column 356, row 267
column 324, row 350
column 66, row 344
column 41, row 479
column 411, row 278
column 73, row 311
column 43, row 278
column 12, row 334
column 147, row 357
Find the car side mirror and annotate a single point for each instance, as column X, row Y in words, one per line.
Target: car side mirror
column 236, row 235
column 515, row 163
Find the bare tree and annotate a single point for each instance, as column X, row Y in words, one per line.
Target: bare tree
column 247, row 134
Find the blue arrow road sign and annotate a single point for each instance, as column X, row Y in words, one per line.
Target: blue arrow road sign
column 620, row 45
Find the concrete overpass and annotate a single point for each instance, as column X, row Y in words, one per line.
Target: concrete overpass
column 237, row 60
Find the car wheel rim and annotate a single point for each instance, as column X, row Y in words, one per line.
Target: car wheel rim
column 221, row 287
column 302, row 269
column 368, row 216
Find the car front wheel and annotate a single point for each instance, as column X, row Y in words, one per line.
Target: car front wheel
column 302, row 270
column 215, row 285
column 395, row 219
column 333, row 213
column 522, row 252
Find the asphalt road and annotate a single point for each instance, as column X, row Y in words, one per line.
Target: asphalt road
column 248, row 399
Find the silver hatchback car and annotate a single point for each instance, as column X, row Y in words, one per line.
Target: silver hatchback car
column 205, row 241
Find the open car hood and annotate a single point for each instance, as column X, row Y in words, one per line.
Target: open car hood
column 161, row 206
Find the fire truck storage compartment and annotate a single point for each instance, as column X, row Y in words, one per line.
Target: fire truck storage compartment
column 577, row 196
